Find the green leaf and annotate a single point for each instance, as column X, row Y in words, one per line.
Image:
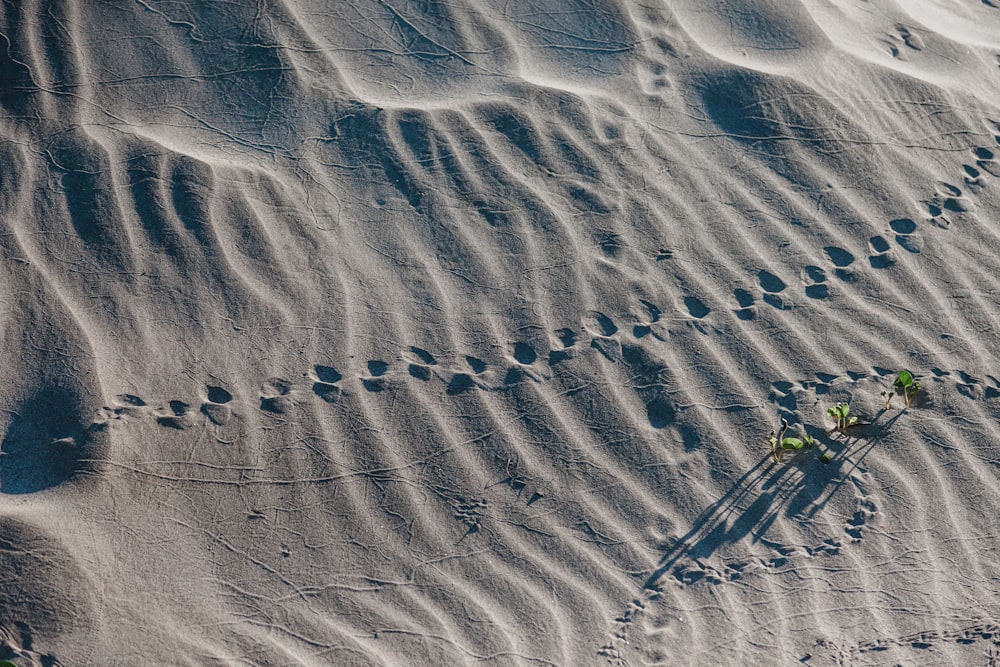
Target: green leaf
column 853, row 421
column 903, row 379
column 809, row 440
column 825, row 458
column 7, row 663
column 792, row 443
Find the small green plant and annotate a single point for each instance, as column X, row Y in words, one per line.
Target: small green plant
column 887, row 395
column 825, row 458
column 841, row 413
column 907, row 385
column 780, row 443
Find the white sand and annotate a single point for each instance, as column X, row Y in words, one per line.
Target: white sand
column 451, row 333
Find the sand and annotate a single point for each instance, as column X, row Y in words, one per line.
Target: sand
column 452, row 333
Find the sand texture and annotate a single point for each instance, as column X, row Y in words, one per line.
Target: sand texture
column 388, row 332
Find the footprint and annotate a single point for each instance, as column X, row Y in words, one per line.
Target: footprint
column 377, row 382
column 882, row 259
column 568, row 339
column 840, row 257
column 951, row 190
column 696, row 307
column 327, row 375
column 216, row 407
column 424, row 356
column 772, row 286
column 744, row 299
column 129, row 399
column 274, row 396
column 470, row 513
column 643, row 330
column 611, row 244
column 602, row 328
column 218, row 395
column 653, row 78
column 957, row 205
column 971, row 387
column 477, row 365
column 994, row 391
column 660, row 412
column 936, row 214
column 985, row 161
column 421, row 369
column 949, row 199
column 524, row 354
column 842, row 260
column 610, row 348
column 325, row 385
column 973, row 177
column 128, row 405
column 459, row 384
column 602, row 324
column 909, row 38
column 866, row 509
column 904, row 229
column 178, row 416
column 817, row 287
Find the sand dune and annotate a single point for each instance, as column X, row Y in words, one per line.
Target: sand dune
column 403, row 333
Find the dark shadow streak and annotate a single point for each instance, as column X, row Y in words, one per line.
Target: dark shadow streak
column 769, row 482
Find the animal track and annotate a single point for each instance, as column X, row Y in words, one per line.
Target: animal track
column 642, row 330
column 744, row 299
column 377, row 382
column 177, row 416
column 275, row 396
column 842, row 261
column 697, row 571
column 948, row 200
column 772, row 287
column 696, row 307
column 524, row 354
column 985, row 161
column 882, row 257
column 983, row 631
column 909, row 39
column 816, row 285
column 947, row 203
column 865, row 511
column 216, row 406
column 904, row 229
column 421, row 368
column 325, row 385
column 470, row 513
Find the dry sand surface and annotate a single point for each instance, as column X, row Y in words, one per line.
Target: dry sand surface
column 386, row 332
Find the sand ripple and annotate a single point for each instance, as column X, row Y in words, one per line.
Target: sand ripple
column 452, row 333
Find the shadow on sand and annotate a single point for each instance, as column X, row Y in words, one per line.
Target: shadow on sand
column 798, row 488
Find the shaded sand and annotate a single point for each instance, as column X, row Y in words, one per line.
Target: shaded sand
column 402, row 333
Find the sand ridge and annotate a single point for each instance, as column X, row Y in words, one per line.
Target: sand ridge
column 387, row 332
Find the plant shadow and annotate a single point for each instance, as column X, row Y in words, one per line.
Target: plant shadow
column 800, row 488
